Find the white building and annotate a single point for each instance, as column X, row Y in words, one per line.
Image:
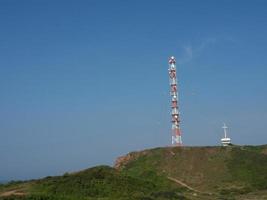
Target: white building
column 225, row 140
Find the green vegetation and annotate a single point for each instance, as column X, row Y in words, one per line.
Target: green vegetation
column 196, row 173
column 223, row 172
column 249, row 167
column 101, row 182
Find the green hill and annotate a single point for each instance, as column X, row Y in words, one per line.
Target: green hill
column 235, row 172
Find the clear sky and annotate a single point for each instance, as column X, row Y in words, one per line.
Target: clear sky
column 82, row 82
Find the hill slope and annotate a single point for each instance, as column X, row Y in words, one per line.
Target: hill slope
column 102, row 182
column 219, row 171
column 237, row 172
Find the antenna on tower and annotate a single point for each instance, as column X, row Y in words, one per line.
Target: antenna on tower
column 176, row 131
column 225, row 140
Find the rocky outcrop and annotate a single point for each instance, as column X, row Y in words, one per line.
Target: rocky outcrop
column 122, row 161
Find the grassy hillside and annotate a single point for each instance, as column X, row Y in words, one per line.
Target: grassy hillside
column 219, row 171
column 236, row 172
column 100, row 182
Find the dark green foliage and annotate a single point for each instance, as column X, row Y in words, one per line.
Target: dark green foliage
column 256, row 149
column 249, row 167
column 224, row 173
column 167, row 195
column 33, row 197
column 235, row 191
column 98, row 182
column 42, row 197
column 95, row 182
column 11, row 184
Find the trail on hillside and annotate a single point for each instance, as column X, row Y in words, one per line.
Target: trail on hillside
column 192, row 189
column 183, row 184
column 12, row 192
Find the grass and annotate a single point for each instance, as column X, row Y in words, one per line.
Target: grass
column 227, row 171
column 219, row 172
column 249, row 167
column 101, row 182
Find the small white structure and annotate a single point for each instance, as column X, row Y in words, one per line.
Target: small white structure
column 226, row 140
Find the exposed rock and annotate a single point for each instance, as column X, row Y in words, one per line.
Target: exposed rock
column 124, row 160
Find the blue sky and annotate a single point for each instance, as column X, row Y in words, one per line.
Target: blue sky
column 82, row 82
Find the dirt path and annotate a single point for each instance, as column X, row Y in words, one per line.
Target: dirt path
column 190, row 188
column 12, row 192
column 183, row 184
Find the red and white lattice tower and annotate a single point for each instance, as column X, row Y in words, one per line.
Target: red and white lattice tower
column 176, row 131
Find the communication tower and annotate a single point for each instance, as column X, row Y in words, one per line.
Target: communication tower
column 175, row 114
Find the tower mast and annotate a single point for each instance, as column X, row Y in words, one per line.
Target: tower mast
column 175, row 114
column 225, row 130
